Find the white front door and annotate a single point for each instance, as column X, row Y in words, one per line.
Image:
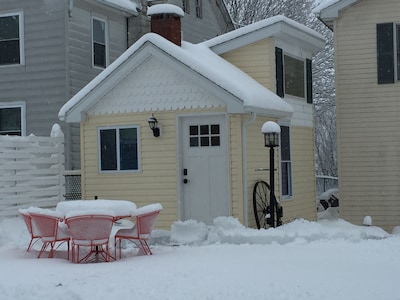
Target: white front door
column 205, row 176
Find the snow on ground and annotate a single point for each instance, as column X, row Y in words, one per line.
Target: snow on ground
column 329, row 259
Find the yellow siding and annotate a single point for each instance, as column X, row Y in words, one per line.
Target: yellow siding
column 367, row 118
column 303, row 202
column 257, row 60
column 157, row 179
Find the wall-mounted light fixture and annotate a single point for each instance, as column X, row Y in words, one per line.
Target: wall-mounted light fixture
column 153, row 123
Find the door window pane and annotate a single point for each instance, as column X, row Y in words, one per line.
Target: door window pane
column 204, row 135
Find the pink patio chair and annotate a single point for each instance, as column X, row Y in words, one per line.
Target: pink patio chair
column 47, row 224
column 90, row 231
column 28, row 222
column 145, row 219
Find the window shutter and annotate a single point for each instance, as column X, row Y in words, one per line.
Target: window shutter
column 309, row 81
column 279, row 72
column 385, row 49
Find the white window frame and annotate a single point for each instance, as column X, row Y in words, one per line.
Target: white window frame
column 20, row 15
column 106, row 39
column 303, row 60
column 22, row 106
column 290, row 175
column 117, row 128
column 199, row 9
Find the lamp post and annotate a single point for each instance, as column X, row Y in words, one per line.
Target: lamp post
column 271, row 131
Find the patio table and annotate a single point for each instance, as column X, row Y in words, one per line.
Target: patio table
column 119, row 209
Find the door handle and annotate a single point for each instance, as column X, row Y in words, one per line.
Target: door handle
column 185, row 181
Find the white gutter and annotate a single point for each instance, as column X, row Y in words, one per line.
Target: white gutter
column 244, row 167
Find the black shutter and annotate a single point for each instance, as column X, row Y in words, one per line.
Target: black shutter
column 385, row 48
column 279, row 72
column 309, row 81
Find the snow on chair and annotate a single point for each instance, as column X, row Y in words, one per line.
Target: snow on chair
column 28, row 222
column 145, row 219
column 47, row 224
column 91, row 231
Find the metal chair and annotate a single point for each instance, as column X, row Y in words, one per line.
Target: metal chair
column 28, row 222
column 90, row 231
column 47, row 226
column 145, row 219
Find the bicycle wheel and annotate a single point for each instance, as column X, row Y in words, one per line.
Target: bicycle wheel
column 261, row 203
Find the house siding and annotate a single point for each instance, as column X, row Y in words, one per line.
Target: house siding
column 40, row 82
column 367, row 118
column 80, row 67
column 156, row 180
column 257, row 60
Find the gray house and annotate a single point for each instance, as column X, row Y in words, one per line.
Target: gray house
column 49, row 50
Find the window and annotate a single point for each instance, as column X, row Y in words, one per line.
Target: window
column 186, row 6
column 286, row 163
column 99, row 37
column 11, row 120
column 293, row 76
column 199, row 9
column 204, row 135
column 11, row 41
column 388, row 56
column 118, row 148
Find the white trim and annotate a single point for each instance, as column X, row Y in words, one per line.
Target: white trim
column 106, row 41
column 16, row 104
column 21, row 37
column 117, row 128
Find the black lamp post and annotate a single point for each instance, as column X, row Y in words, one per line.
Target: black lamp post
column 271, row 132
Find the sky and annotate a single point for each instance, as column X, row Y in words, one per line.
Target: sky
column 327, row 259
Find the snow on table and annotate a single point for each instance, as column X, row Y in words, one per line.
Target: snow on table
column 116, row 208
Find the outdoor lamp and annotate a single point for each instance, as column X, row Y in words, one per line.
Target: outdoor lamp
column 153, row 123
column 271, row 132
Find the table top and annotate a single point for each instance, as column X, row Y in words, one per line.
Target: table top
column 116, row 208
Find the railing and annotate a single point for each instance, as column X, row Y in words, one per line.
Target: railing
column 325, row 183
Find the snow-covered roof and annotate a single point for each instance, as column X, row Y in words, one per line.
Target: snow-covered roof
column 277, row 26
column 199, row 58
column 129, row 6
column 329, row 10
column 204, row 60
column 165, row 9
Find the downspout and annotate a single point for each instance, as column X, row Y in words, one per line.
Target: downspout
column 244, row 166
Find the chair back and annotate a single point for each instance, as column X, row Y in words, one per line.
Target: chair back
column 145, row 223
column 44, row 225
column 27, row 219
column 89, row 228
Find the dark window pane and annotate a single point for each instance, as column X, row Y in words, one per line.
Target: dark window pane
column 285, row 143
column 294, row 76
column 9, row 27
column 128, row 149
column 215, row 141
column 214, row 129
column 286, row 186
column 9, row 52
column 10, row 121
column 194, row 142
column 204, row 129
column 108, row 149
column 398, row 50
column 205, row 141
column 194, row 130
column 99, row 55
column 99, row 35
column 385, row 55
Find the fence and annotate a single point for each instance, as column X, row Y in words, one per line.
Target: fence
column 31, row 172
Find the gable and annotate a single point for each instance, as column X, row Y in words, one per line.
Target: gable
column 154, row 86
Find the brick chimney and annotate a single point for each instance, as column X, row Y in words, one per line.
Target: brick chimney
column 166, row 21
